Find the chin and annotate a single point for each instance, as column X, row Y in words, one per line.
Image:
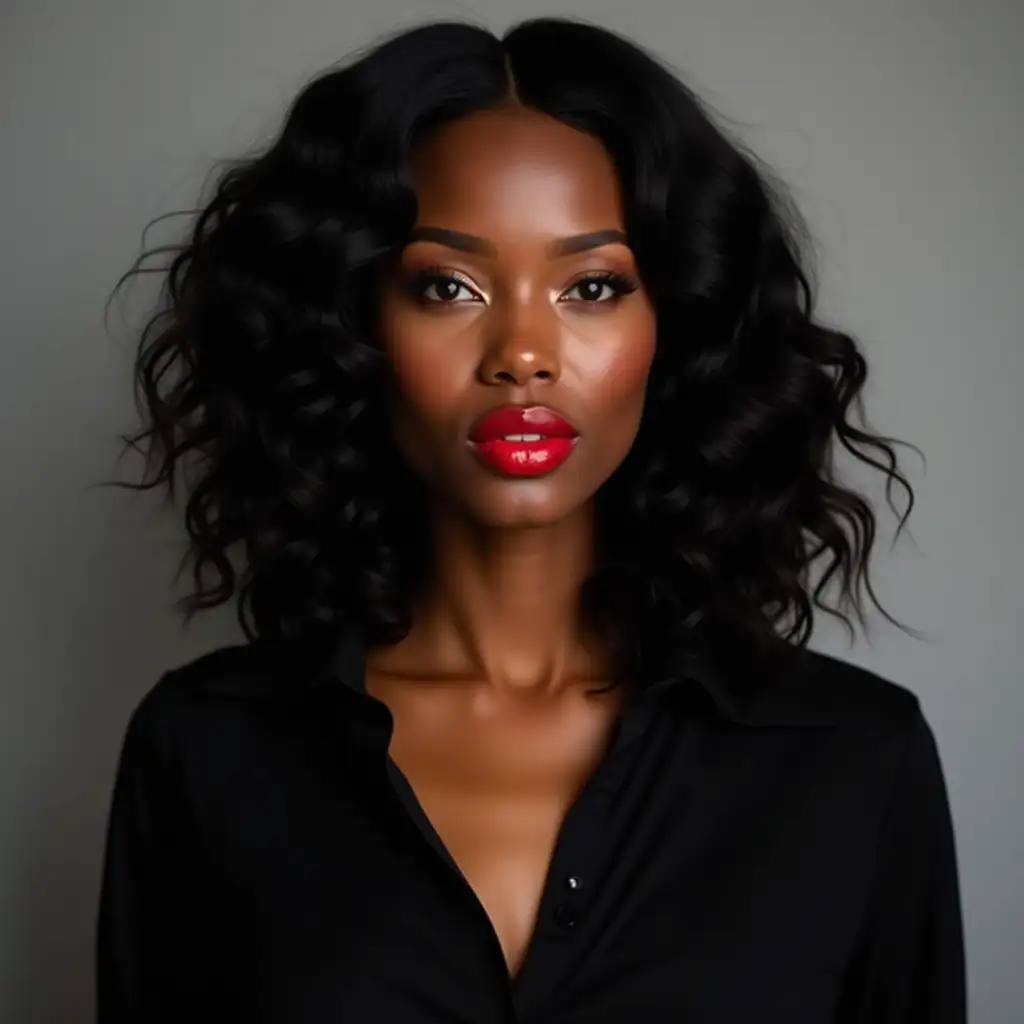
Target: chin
column 523, row 504
column 523, row 519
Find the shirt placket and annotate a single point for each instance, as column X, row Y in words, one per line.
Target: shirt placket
column 575, row 872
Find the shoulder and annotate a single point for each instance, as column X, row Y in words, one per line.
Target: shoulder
column 209, row 721
column 814, row 688
column 872, row 734
column 870, row 714
column 219, row 678
column 244, row 670
column 857, row 696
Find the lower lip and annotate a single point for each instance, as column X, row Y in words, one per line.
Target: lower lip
column 524, row 458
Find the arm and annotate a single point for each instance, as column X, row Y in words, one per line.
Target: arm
column 139, row 938
column 909, row 966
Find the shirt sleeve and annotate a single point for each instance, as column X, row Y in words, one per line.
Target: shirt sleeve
column 909, row 966
column 138, row 930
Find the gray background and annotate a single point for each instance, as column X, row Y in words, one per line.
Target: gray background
column 898, row 124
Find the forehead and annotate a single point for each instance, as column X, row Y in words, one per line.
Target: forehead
column 515, row 170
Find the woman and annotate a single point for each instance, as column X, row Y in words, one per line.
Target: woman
column 508, row 420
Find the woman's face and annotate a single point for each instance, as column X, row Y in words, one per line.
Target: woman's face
column 518, row 331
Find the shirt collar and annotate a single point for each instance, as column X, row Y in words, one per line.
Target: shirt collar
column 788, row 693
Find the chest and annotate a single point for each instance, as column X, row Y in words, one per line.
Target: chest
column 721, row 868
column 496, row 784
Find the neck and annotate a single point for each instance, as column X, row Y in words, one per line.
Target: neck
column 504, row 603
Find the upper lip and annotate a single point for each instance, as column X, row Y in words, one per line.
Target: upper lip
column 520, row 419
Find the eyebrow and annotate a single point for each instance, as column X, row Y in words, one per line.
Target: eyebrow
column 482, row 247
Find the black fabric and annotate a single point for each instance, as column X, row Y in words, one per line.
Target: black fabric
column 774, row 854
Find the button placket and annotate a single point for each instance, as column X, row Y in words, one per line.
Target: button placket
column 566, row 914
column 577, row 864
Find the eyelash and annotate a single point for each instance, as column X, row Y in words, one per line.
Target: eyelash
column 619, row 283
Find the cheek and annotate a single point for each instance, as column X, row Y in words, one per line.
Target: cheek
column 429, row 375
column 617, row 373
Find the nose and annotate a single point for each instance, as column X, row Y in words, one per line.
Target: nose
column 523, row 350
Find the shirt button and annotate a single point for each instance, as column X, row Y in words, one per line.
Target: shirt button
column 574, row 882
column 565, row 916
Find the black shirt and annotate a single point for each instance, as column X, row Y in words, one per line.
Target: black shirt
column 785, row 857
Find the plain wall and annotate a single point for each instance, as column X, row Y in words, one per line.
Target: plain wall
column 897, row 123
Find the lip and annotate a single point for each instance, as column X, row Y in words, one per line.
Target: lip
column 520, row 419
column 488, row 440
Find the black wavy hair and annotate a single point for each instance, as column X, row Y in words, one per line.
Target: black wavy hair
column 261, row 384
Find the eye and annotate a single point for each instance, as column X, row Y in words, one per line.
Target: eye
column 439, row 287
column 446, row 287
column 593, row 285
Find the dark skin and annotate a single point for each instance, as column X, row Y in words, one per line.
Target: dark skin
column 494, row 727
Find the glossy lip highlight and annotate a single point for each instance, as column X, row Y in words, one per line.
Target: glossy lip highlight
column 522, row 441
column 520, row 419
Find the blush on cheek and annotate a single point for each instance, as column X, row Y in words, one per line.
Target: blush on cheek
column 611, row 356
column 423, row 384
column 426, row 398
column 622, row 384
column 432, row 363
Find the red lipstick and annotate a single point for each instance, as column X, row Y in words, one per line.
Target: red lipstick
column 516, row 440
